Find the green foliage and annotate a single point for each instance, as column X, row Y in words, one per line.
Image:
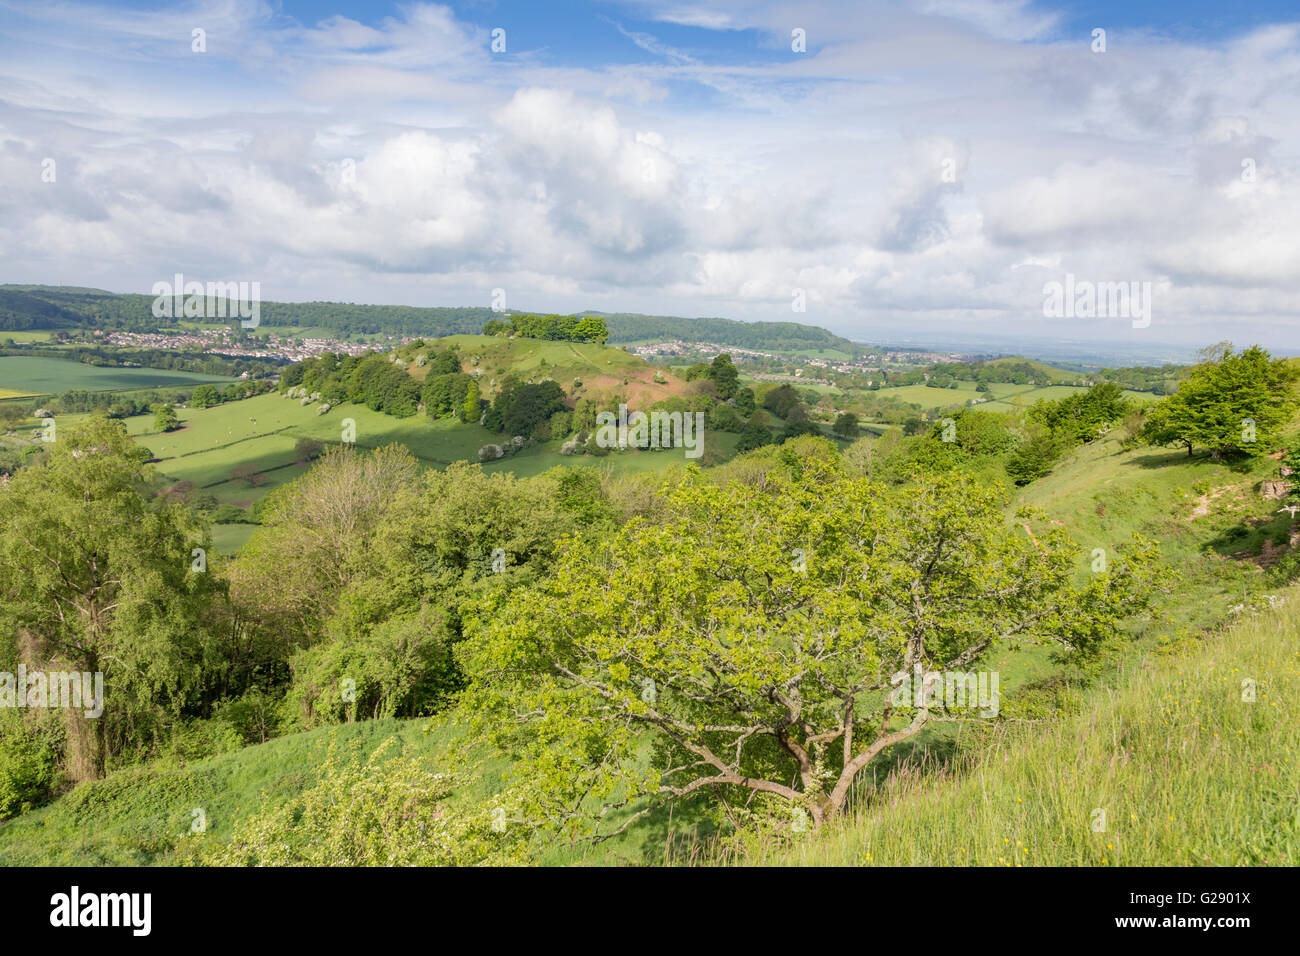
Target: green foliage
column 29, row 749
column 724, row 376
column 1034, row 458
column 1084, row 416
column 753, row 436
column 470, row 411
column 445, row 395
column 391, row 811
column 205, row 396
column 519, row 408
column 372, row 380
column 96, row 573
column 780, row 400
column 746, row 668
column 165, row 419
column 1232, row 404
column 561, row 328
column 846, row 425
column 412, row 578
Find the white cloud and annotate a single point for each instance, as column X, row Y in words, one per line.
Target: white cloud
column 401, row 161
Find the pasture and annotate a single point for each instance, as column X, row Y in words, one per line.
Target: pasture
column 42, row 375
column 264, row 430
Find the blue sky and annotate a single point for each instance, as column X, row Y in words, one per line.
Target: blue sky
column 924, row 167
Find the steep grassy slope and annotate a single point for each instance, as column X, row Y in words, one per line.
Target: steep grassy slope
column 1185, row 771
column 143, row 815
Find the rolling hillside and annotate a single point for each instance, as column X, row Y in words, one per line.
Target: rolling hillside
column 1164, row 744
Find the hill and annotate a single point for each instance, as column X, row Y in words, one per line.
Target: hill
column 636, row 327
column 1170, row 765
column 34, row 307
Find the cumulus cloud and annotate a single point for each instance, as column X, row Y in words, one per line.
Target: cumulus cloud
column 926, row 163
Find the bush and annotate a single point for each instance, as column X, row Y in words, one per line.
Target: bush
column 28, row 756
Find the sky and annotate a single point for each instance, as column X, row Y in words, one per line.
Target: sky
column 919, row 170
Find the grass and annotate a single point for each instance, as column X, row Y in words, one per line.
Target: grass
column 1184, row 770
column 42, row 375
column 264, row 430
column 1001, row 396
column 141, row 815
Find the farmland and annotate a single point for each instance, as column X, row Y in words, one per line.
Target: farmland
column 263, row 431
column 40, row 375
column 1001, row 397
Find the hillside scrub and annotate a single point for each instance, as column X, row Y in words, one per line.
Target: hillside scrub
column 751, row 636
column 1192, row 758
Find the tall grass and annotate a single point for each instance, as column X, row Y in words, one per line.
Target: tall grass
column 1185, row 770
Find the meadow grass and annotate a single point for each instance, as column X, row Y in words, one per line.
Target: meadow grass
column 1169, row 766
column 42, row 375
column 141, row 815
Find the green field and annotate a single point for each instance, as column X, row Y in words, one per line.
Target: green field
column 264, row 430
column 40, row 375
column 1001, row 397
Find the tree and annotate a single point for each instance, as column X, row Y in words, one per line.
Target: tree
column 469, row 412
column 317, row 532
column 205, row 396
column 725, row 376
column 1230, row 404
column 245, row 472
column 744, row 402
column 11, row 415
column 755, row 677
column 165, row 419
column 753, row 436
column 780, row 400
column 305, row 449
column 96, row 575
column 846, row 425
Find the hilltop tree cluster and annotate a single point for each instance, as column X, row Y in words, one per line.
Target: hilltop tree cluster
column 556, row 328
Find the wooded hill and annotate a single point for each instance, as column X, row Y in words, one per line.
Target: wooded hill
column 27, row 307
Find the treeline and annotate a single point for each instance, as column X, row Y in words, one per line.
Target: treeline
column 772, row 336
column 948, row 374
column 556, row 328
column 201, row 363
column 47, row 307
column 1157, row 379
column 372, row 379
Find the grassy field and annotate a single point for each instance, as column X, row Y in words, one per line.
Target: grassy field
column 27, row 335
column 40, row 375
column 263, row 431
column 1170, row 766
column 142, row 815
column 1001, row 397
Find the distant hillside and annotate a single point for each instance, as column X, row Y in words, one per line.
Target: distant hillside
column 27, row 307
column 47, row 307
column 778, row 336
